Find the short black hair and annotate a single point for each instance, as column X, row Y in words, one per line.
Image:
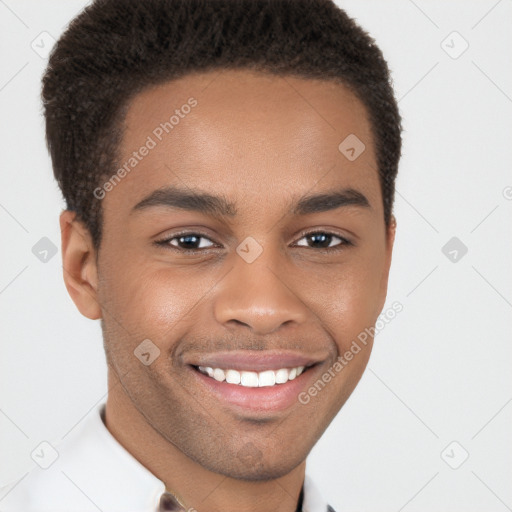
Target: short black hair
column 114, row 49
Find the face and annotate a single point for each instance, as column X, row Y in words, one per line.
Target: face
column 241, row 239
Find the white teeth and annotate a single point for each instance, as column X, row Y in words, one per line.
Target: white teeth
column 233, row 377
column 281, row 376
column 219, row 374
column 267, row 378
column 250, row 379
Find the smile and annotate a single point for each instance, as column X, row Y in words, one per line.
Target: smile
column 254, row 382
column 252, row 379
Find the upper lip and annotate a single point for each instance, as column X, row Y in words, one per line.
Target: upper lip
column 257, row 360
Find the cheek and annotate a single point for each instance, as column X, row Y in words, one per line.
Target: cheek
column 155, row 302
column 349, row 299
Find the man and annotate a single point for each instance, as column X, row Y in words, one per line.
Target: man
column 228, row 168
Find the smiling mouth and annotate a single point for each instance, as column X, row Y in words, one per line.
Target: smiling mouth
column 252, row 382
column 252, row 379
column 254, row 388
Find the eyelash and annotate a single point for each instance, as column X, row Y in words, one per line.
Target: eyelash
column 166, row 241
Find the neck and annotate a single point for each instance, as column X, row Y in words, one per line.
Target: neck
column 196, row 487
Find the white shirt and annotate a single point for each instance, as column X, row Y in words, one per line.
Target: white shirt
column 93, row 472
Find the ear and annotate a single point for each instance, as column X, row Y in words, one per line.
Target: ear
column 390, row 240
column 79, row 263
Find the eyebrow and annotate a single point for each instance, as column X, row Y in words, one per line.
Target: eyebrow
column 220, row 206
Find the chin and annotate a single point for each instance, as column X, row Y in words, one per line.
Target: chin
column 257, row 471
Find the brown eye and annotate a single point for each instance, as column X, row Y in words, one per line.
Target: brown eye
column 323, row 240
column 186, row 242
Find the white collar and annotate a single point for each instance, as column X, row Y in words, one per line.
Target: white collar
column 93, row 471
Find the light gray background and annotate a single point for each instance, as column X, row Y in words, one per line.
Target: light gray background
column 440, row 371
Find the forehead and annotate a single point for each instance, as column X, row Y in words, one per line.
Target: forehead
column 245, row 133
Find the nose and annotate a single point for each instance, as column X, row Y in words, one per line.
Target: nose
column 262, row 295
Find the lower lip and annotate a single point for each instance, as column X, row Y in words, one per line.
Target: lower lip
column 266, row 399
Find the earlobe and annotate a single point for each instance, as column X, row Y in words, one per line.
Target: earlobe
column 390, row 236
column 79, row 263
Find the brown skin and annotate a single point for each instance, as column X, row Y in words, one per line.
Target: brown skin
column 263, row 142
